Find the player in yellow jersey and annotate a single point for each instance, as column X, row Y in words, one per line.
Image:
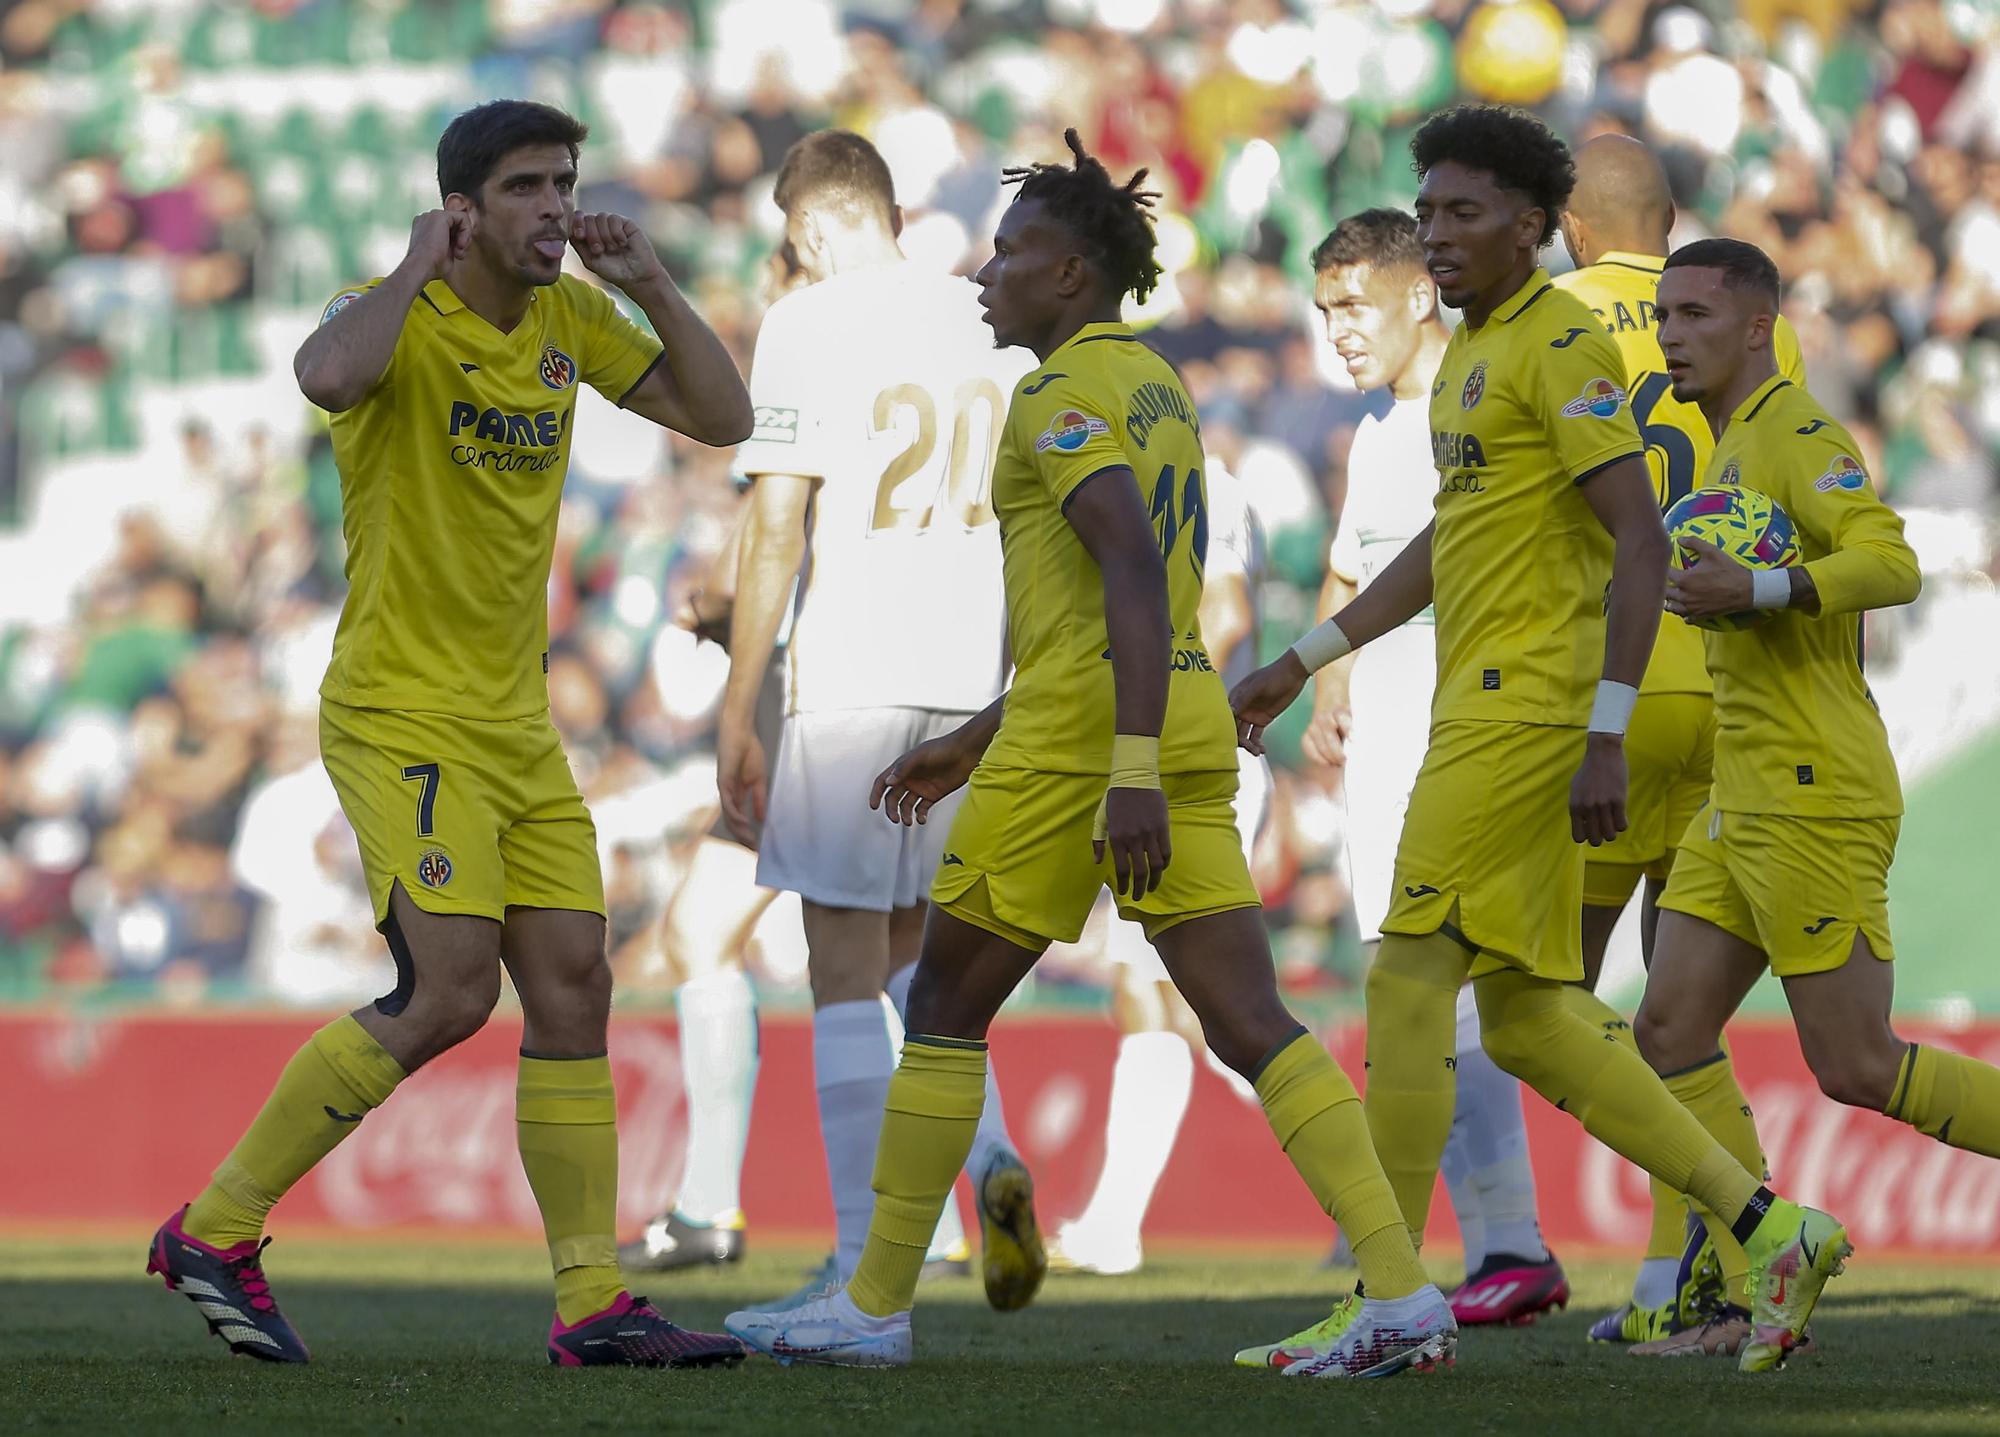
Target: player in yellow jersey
column 1787, row 867
column 1545, row 565
column 1615, row 228
column 1110, row 760
column 452, row 385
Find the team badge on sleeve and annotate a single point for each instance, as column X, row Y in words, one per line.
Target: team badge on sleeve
column 1475, row 386
column 772, row 425
column 433, row 868
column 558, row 369
column 1844, row 474
column 1068, row 431
column 340, row 302
column 1600, row 399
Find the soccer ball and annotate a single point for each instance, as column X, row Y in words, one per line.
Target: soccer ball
column 1744, row 524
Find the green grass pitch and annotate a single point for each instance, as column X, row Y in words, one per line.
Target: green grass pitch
column 448, row 1339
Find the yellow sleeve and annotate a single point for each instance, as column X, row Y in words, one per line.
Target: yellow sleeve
column 341, row 301
column 619, row 354
column 1868, row 564
column 1785, row 349
column 1069, row 430
column 1586, row 411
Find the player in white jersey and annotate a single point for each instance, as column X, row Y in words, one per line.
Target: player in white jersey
column 1152, row 1080
column 879, row 406
column 1371, row 718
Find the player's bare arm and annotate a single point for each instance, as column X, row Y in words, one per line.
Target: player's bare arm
column 706, row 613
column 1110, row 519
column 695, row 389
column 773, row 546
column 1325, row 740
column 1621, row 496
column 1398, row 595
column 342, row 359
column 909, row 788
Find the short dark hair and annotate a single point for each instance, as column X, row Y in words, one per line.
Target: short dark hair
column 838, row 169
column 1111, row 223
column 474, row 143
column 1743, row 265
column 1384, row 238
column 1518, row 150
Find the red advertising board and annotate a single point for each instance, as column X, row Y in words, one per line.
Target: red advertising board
column 111, row 1121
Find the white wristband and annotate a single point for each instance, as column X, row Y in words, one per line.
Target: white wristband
column 1322, row 646
column 1770, row 588
column 1612, row 709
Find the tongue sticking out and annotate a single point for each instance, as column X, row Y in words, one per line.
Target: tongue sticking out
column 549, row 248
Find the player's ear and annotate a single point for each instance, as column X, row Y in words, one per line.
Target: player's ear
column 1529, row 226
column 1572, row 230
column 1762, row 325
column 1423, row 297
column 896, row 221
column 1073, row 276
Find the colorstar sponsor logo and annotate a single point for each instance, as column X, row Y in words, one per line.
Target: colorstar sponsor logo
column 1600, row 399
column 1069, row 431
column 1845, row 473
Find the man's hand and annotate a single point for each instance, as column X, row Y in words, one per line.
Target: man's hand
column 1715, row 584
column 614, row 249
column 438, row 238
column 1597, row 793
column 1259, row 699
column 740, row 779
column 908, row 789
column 705, row 618
column 1132, row 823
column 1325, row 738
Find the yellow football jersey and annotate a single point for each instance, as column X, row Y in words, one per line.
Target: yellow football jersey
column 1797, row 731
column 451, row 470
column 1525, row 408
column 1621, row 290
column 1102, row 399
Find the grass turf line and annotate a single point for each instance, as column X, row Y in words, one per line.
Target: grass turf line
column 415, row 1340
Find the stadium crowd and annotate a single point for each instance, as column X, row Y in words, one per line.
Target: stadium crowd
column 183, row 184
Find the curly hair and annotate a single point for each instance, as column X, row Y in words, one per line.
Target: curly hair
column 1518, row 150
column 1111, row 222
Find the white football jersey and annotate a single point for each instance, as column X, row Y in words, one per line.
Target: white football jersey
column 1391, row 488
column 883, row 384
column 1235, row 546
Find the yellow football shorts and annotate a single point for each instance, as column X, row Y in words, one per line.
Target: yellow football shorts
column 473, row 816
column 1798, row 888
column 1488, row 833
column 1669, row 763
column 1018, row 860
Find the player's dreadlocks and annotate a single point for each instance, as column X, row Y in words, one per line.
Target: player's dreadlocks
column 1112, row 222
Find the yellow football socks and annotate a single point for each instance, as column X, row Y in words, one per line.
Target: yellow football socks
column 1317, row 1118
column 1412, row 1046
column 1530, row 1031
column 935, row 1098
column 325, row 1090
column 1950, row 1097
column 1710, row 1091
column 566, row 1120
column 1669, row 1232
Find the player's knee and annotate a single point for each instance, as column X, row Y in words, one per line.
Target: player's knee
column 1518, row 1048
column 445, row 1014
column 1855, row 1076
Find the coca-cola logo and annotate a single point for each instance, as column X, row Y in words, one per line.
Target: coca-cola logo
column 443, row 1150
column 1891, row 1185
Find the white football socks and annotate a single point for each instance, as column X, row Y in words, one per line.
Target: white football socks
column 1487, row 1121
column 852, row 1062
column 718, row 1036
column 1151, row 1083
column 1656, row 1284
